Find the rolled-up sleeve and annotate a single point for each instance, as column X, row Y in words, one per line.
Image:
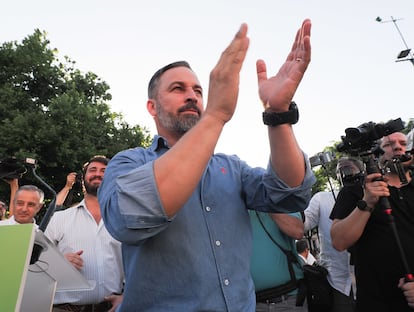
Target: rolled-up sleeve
column 129, row 200
column 279, row 197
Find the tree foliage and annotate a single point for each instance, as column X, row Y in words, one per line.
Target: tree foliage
column 54, row 113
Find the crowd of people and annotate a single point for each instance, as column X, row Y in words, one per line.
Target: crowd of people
column 177, row 227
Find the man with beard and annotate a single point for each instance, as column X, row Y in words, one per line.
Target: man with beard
column 180, row 210
column 80, row 234
column 361, row 222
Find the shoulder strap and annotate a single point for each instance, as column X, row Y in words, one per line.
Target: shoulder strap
column 289, row 254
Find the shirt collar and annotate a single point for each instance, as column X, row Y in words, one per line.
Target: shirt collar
column 159, row 143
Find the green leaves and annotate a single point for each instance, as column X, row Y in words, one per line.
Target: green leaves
column 54, row 113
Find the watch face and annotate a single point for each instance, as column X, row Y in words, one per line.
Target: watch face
column 362, row 204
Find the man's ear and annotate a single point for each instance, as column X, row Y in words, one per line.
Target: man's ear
column 151, row 107
column 40, row 207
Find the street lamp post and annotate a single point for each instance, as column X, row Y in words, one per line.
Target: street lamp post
column 404, row 55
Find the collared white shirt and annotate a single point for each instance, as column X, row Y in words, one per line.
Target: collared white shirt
column 309, row 260
column 337, row 263
column 75, row 229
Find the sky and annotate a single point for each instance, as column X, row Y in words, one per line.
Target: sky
column 353, row 77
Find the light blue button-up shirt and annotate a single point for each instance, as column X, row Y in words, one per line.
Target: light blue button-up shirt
column 200, row 259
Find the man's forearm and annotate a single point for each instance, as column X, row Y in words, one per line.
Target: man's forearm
column 286, row 156
column 288, row 224
column 345, row 232
column 178, row 171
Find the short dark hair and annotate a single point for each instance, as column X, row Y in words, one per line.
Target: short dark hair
column 153, row 83
column 302, row 245
column 97, row 158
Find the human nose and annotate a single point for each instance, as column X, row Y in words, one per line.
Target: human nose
column 397, row 146
column 191, row 95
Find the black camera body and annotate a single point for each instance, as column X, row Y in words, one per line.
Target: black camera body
column 321, row 159
column 363, row 142
column 79, row 177
column 364, row 138
column 11, row 168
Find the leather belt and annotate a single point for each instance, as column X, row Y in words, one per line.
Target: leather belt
column 98, row 307
column 275, row 300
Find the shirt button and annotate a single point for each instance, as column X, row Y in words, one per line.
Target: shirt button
column 218, row 243
column 226, row 282
column 208, row 208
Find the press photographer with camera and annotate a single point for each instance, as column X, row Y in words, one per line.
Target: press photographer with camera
column 376, row 221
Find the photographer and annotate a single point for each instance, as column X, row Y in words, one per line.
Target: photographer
column 360, row 221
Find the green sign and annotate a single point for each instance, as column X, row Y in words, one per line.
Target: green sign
column 16, row 249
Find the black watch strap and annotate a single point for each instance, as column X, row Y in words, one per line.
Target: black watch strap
column 362, row 205
column 274, row 119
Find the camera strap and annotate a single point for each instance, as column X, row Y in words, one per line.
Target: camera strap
column 291, row 258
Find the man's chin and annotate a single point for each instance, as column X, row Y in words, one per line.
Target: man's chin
column 23, row 220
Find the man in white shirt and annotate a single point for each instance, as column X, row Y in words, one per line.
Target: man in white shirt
column 341, row 273
column 28, row 201
column 337, row 263
column 302, row 247
column 80, row 234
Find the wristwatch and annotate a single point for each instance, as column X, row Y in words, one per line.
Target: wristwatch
column 363, row 206
column 274, row 119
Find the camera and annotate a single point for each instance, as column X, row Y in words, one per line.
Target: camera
column 11, row 168
column 364, row 137
column 363, row 141
column 350, row 171
column 321, row 159
column 79, row 178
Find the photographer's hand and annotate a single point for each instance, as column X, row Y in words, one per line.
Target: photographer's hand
column 408, row 290
column 61, row 196
column 375, row 187
column 70, row 180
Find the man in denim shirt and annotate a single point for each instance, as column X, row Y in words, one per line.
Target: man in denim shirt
column 181, row 211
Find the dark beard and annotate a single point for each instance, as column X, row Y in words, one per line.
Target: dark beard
column 91, row 189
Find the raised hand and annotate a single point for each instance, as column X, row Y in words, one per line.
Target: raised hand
column 70, row 179
column 224, row 78
column 277, row 92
